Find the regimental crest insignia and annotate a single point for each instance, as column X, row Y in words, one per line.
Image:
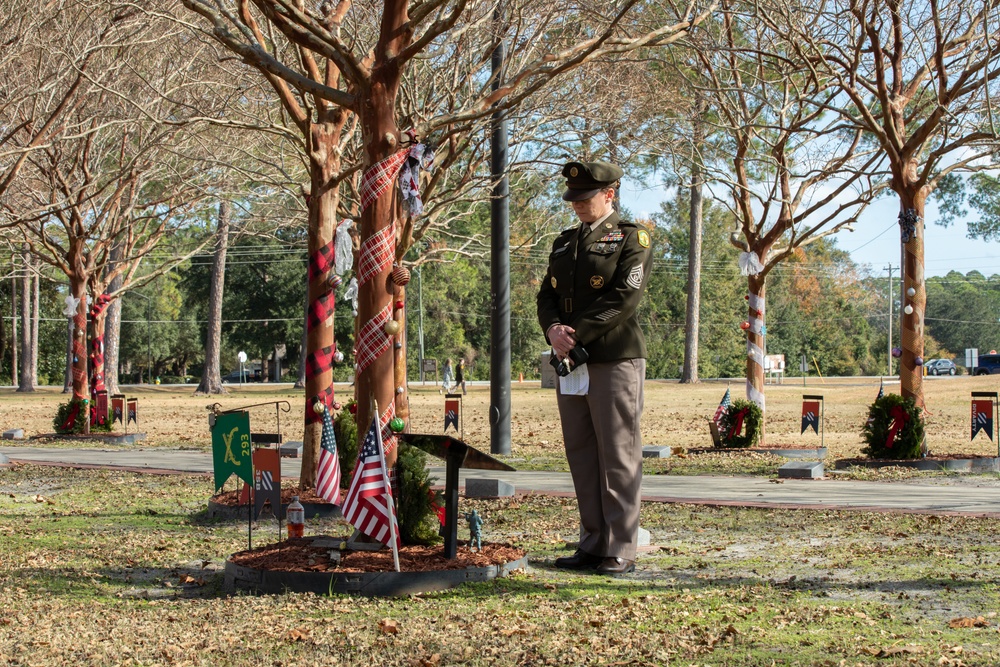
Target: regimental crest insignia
column 574, row 172
column 634, row 279
column 643, row 238
column 597, row 282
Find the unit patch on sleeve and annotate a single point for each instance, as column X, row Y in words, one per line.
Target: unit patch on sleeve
column 643, row 238
column 635, row 277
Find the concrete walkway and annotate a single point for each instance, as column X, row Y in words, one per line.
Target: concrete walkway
column 973, row 497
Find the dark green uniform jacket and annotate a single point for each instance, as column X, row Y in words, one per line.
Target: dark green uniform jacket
column 594, row 285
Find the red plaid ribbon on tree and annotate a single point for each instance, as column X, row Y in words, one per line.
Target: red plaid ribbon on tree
column 373, row 341
column 379, row 177
column 376, row 253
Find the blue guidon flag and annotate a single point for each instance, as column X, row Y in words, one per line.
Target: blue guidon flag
column 810, row 416
column 982, row 416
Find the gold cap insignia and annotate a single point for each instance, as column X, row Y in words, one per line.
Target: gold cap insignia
column 553, row 281
column 574, row 172
column 597, row 282
column 643, row 238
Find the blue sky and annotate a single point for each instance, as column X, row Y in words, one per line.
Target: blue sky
column 875, row 239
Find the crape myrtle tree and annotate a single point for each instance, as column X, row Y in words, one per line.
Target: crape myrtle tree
column 793, row 172
column 349, row 64
column 920, row 79
column 96, row 203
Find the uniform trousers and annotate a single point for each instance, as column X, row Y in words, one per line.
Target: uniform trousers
column 604, row 450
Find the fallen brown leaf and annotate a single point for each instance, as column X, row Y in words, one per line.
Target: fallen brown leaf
column 966, row 622
column 388, row 626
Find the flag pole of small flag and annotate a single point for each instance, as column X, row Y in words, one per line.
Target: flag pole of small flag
column 368, row 504
column 723, row 406
column 328, row 474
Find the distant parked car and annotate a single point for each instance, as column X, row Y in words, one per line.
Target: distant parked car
column 941, row 367
column 989, row 364
column 234, row 376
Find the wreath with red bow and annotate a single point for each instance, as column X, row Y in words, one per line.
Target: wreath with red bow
column 894, row 430
column 740, row 425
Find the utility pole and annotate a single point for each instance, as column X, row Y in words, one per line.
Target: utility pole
column 890, row 268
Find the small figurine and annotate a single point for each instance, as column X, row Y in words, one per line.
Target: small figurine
column 475, row 530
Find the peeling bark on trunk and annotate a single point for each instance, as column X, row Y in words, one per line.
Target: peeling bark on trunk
column 26, row 383
column 911, row 377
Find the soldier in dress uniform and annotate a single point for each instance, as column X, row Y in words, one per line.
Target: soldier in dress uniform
column 596, row 277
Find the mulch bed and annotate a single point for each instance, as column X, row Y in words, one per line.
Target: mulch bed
column 297, row 555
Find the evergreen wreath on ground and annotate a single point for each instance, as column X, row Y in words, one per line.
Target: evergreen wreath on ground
column 740, row 424
column 894, row 430
column 70, row 418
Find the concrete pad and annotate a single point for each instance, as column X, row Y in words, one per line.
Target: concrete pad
column 291, row 449
column 4, row 460
column 655, row 452
column 487, row 488
column 643, row 537
column 801, row 470
column 14, row 434
column 125, row 439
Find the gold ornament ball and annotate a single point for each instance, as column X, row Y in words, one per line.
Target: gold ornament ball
column 318, row 408
column 392, row 327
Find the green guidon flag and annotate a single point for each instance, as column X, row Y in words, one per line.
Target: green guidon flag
column 231, row 450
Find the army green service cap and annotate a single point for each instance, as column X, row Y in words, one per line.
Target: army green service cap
column 586, row 179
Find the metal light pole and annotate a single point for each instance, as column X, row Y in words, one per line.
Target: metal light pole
column 499, row 263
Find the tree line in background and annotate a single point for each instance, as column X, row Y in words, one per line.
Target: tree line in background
column 823, row 306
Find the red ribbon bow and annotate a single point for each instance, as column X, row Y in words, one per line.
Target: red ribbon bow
column 899, row 419
column 737, row 426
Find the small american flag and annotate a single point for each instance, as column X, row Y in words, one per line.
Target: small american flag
column 368, row 505
column 723, row 406
column 328, row 476
column 881, row 391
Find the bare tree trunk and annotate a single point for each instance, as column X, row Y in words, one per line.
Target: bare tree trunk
column 300, row 380
column 36, row 318
column 911, row 219
column 211, row 376
column 692, row 318
column 3, row 340
column 113, row 329
column 13, row 327
column 68, row 375
column 78, row 288
column 755, row 346
column 27, row 383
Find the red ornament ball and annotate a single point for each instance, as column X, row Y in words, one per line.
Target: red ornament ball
column 399, row 305
column 744, row 325
column 353, row 408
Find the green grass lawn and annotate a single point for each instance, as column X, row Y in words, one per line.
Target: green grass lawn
column 112, row 568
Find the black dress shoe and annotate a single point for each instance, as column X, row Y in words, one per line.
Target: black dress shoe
column 615, row 565
column 580, row 560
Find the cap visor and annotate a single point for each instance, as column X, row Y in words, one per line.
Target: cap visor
column 579, row 195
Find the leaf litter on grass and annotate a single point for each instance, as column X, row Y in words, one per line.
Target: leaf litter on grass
column 724, row 586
